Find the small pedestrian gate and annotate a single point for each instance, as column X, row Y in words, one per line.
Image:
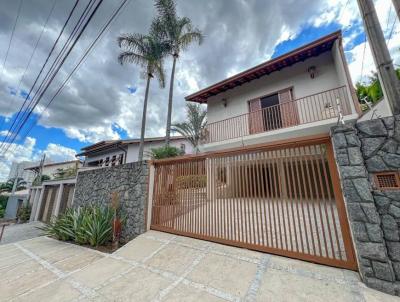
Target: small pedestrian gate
column 283, row 199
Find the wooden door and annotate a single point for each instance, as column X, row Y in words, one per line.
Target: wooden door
column 255, row 117
column 289, row 112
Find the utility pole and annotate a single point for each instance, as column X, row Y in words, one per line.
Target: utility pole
column 396, row 4
column 387, row 75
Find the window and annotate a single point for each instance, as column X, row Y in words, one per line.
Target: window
column 113, row 160
column 121, row 159
column 183, row 147
column 387, row 180
column 107, row 161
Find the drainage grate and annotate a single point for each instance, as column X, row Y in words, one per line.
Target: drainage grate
column 387, row 180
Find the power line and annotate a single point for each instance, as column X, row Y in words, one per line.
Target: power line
column 12, row 33
column 82, row 59
column 40, row 73
column 33, row 53
column 391, row 31
column 55, row 73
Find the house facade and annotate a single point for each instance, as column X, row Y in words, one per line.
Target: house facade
column 298, row 94
column 116, row 152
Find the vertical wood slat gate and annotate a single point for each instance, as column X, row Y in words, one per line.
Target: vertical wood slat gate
column 282, row 199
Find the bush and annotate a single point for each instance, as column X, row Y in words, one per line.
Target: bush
column 165, row 152
column 3, row 205
column 24, row 213
column 191, row 181
column 87, row 225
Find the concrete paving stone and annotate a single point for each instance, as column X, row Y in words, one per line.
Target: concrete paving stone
column 67, row 252
column 237, row 252
column 9, row 252
column 42, row 246
column 23, row 269
column 226, row 274
column 138, row 249
column 78, row 261
column 191, row 242
column 58, row 291
column 138, row 285
column 190, row 294
column 26, row 282
column 13, row 260
column 309, row 269
column 283, row 286
column 158, row 235
column 100, row 271
column 174, row 258
column 371, row 295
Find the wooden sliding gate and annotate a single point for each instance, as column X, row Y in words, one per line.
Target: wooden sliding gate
column 283, row 199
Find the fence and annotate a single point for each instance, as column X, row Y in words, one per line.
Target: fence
column 279, row 199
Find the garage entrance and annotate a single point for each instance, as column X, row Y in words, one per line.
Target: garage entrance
column 283, row 199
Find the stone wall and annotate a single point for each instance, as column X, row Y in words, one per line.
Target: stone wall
column 362, row 150
column 129, row 180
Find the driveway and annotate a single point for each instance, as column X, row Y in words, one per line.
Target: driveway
column 17, row 232
column 162, row 267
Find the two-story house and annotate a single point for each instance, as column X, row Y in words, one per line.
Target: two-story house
column 267, row 179
column 296, row 94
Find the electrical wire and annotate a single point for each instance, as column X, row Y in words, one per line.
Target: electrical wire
column 31, row 57
column 40, row 73
column 55, row 73
column 12, row 33
column 82, row 59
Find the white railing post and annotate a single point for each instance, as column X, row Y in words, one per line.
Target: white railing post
column 340, row 116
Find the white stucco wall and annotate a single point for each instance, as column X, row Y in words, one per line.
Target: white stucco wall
column 133, row 149
column 295, row 76
column 50, row 170
column 381, row 109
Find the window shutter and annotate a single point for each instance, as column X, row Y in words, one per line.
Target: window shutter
column 289, row 112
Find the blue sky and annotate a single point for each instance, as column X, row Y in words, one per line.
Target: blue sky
column 104, row 99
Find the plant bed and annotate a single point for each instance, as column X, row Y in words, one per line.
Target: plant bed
column 92, row 226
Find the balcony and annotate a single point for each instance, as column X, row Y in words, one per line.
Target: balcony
column 313, row 108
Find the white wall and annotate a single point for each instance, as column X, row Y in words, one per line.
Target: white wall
column 133, row 149
column 382, row 109
column 295, row 76
column 50, row 170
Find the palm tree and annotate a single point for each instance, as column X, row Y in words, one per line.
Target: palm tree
column 180, row 33
column 148, row 52
column 193, row 128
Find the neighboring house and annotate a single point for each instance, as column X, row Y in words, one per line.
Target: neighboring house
column 19, row 170
column 116, row 152
column 52, row 169
column 51, row 197
column 296, row 94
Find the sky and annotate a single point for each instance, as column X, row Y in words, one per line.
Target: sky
column 103, row 100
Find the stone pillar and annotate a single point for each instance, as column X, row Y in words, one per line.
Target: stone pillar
column 58, row 200
column 39, row 203
column 356, row 148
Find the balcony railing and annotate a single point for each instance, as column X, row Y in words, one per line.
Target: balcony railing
column 316, row 107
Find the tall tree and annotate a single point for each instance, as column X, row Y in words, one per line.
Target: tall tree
column 8, row 185
column 193, row 128
column 180, row 33
column 148, row 52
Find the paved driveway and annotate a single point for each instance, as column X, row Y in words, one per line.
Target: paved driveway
column 161, row 267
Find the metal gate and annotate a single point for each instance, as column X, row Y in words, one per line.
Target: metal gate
column 283, row 199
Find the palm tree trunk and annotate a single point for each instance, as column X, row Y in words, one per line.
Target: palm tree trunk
column 143, row 130
column 171, row 92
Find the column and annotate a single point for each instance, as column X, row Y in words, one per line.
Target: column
column 58, row 200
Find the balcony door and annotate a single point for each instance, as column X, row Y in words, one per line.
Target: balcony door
column 273, row 111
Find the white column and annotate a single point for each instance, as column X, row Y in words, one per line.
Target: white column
column 58, row 200
column 150, row 197
column 39, row 202
column 32, row 197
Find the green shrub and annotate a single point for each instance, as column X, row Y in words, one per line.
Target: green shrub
column 87, row 225
column 2, row 212
column 165, row 152
column 191, row 181
column 24, row 213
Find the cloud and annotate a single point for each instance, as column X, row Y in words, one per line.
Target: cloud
column 28, row 152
